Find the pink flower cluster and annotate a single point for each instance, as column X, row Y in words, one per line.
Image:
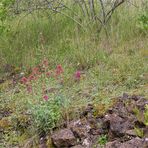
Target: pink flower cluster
column 77, row 75
column 59, row 70
column 43, row 69
column 45, row 97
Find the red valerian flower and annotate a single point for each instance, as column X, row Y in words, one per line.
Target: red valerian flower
column 48, row 74
column 24, row 80
column 77, row 75
column 35, row 70
column 45, row 98
column 31, row 77
column 59, row 70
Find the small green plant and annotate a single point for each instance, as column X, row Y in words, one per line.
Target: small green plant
column 46, row 114
column 139, row 132
column 102, row 139
column 138, row 114
column 143, row 18
column 146, row 115
column 143, row 22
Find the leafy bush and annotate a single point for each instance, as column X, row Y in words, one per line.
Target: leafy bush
column 46, row 114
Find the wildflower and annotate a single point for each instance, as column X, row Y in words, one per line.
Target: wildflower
column 78, row 75
column 48, row 74
column 31, row 77
column 45, row 98
column 59, row 70
column 24, row 80
column 35, row 70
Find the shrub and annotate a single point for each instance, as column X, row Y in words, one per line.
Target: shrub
column 46, row 114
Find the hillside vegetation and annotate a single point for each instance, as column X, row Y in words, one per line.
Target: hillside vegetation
column 56, row 59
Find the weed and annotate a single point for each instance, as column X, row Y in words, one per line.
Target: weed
column 102, row 139
column 146, row 115
column 139, row 132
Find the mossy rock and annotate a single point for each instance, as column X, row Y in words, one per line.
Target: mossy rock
column 99, row 109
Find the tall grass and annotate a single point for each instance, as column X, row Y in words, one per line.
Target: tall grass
column 23, row 45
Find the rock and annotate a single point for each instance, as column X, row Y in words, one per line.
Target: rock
column 120, row 109
column 131, row 106
column 80, row 132
column 91, row 119
column 117, row 125
column 131, row 133
column 86, row 143
column 101, row 127
column 80, row 128
column 134, row 143
column 136, row 97
column 87, row 110
column 146, row 132
column 125, row 96
column 113, row 144
column 141, row 104
column 77, row 146
column 146, row 142
column 63, row 138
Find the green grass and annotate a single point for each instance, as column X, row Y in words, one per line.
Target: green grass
column 24, row 44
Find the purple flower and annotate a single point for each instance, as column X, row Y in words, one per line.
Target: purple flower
column 45, row 98
column 77, row 75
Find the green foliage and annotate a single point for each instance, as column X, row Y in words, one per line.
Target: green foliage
column 143, row 22
column 138, row 114
column 143, row 18
column 46, row 114
column 102, row 139
column 4, row 9
column 146, row 115
column 139, row 132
